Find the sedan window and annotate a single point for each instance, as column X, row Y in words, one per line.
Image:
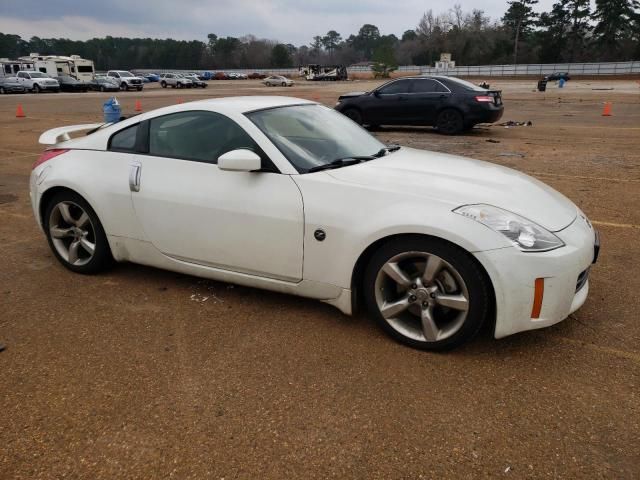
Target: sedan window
column 199, row 136
column 399, row 86
column 426, row 85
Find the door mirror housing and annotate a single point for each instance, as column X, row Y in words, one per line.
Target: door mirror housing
column 241, row 160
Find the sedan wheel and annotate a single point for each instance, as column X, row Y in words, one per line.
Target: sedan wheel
column 2, row 92
column 354, row 115
column 450, row 122
column 102, row 89
column 426, row 293
column 76, row 235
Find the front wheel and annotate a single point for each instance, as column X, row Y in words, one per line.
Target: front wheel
column 123, row 86
column 36, row 88
column 426, row 293
column 163, row 84
column 354, row 115
column 450, row 122
column 284, row 84
column 75, row 234
column 2, row 92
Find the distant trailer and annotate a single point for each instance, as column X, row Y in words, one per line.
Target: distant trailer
column 10, row 68
column 317, row 73
column 54, row 65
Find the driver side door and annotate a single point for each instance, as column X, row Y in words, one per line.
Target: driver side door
column 190, row 210
column 388, row 104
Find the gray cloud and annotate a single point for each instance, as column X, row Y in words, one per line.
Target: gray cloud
column 284, row 20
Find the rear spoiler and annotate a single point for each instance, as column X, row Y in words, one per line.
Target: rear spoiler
column 61, row 134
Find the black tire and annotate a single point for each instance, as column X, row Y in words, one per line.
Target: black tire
column 476, row 281
column 139, row 89
column 123, row 86
column 284, row 84
column 2, row 91
column 102, row 89
column 102, row 258
column 178, row 85
column 36, row 88
column 163, row 84
column 450, row 122
column 353, row 114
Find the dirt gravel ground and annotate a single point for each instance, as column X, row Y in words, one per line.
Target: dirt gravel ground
column 141, row 373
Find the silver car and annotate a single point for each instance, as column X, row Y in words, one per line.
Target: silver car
column 277, row 80
column 175, row 80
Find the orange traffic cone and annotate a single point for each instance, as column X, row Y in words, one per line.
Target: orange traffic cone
column 179, row 100
column 606, row 111
column 20, row 112
column 138, row 106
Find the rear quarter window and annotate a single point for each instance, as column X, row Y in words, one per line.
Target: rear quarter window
column 124, row 140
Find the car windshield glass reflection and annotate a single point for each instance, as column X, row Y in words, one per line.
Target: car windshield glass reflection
column 313, row 135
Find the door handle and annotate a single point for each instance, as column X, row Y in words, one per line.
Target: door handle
column 134, row 177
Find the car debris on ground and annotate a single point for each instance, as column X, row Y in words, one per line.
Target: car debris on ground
column 512, row 123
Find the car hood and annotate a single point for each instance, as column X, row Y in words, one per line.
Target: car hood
column 457, row 181
column 352, row 95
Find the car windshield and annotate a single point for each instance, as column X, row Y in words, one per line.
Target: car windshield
column 466, row 85
column 312, row 136
column 38, row 75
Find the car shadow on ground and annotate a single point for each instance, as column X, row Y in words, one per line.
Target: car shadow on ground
column 284, row 311
column 478, row 130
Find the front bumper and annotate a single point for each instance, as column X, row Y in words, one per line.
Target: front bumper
column 564, row 270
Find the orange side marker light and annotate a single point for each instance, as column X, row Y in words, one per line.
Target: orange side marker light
column 538, row 295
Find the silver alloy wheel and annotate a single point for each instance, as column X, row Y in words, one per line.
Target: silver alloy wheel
column 421, row 296
column 72, row 233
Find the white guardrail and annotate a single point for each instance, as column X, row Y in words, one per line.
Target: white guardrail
column 535, row 69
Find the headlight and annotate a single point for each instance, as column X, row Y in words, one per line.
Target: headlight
column 524, row 234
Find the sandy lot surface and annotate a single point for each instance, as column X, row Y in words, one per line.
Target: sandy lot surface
column 127, row 375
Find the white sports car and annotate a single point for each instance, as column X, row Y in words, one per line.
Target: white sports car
column 288, row 195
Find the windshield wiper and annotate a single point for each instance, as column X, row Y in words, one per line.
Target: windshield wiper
column 346, row 161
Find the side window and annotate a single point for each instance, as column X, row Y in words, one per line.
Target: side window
column 425, row 86
column 124, row 140
column 21, row 75
column 199, row 136
column 399, row 86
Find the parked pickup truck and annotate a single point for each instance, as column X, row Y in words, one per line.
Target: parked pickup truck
column 37, row 82
column 126, row 80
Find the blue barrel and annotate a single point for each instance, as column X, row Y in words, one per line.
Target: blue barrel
column 111, row 109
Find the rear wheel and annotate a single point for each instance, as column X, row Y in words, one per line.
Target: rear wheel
column 2, row 92
column 284, row 84
column 426, row 293
column 75, row 234
column 354, row 115
column 450, row 122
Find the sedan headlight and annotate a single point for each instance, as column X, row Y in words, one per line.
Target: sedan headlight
column 524, row 234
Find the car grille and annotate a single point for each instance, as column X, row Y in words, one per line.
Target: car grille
column 50, row 82
column 136, row 82
column 582, row 279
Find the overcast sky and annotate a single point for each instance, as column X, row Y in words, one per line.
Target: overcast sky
column 287, row 21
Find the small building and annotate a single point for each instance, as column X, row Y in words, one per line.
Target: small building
column 445, row 62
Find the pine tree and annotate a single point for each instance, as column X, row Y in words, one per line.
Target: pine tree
column 614, row 25
column 579, row 12
column 519, row 19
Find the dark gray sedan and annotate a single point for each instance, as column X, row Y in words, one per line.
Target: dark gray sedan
column 10, row 85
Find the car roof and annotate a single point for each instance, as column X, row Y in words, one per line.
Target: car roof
column 243, row 104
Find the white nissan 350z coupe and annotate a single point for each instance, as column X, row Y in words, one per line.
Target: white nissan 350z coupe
column 288, row 195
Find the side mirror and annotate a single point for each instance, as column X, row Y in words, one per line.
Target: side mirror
column 376, row 93
column 241, row 160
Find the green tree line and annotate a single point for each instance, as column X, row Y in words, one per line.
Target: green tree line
column 572, row 31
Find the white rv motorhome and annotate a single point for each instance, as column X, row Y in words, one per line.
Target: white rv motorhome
column 54, row 65
column 9, row 68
